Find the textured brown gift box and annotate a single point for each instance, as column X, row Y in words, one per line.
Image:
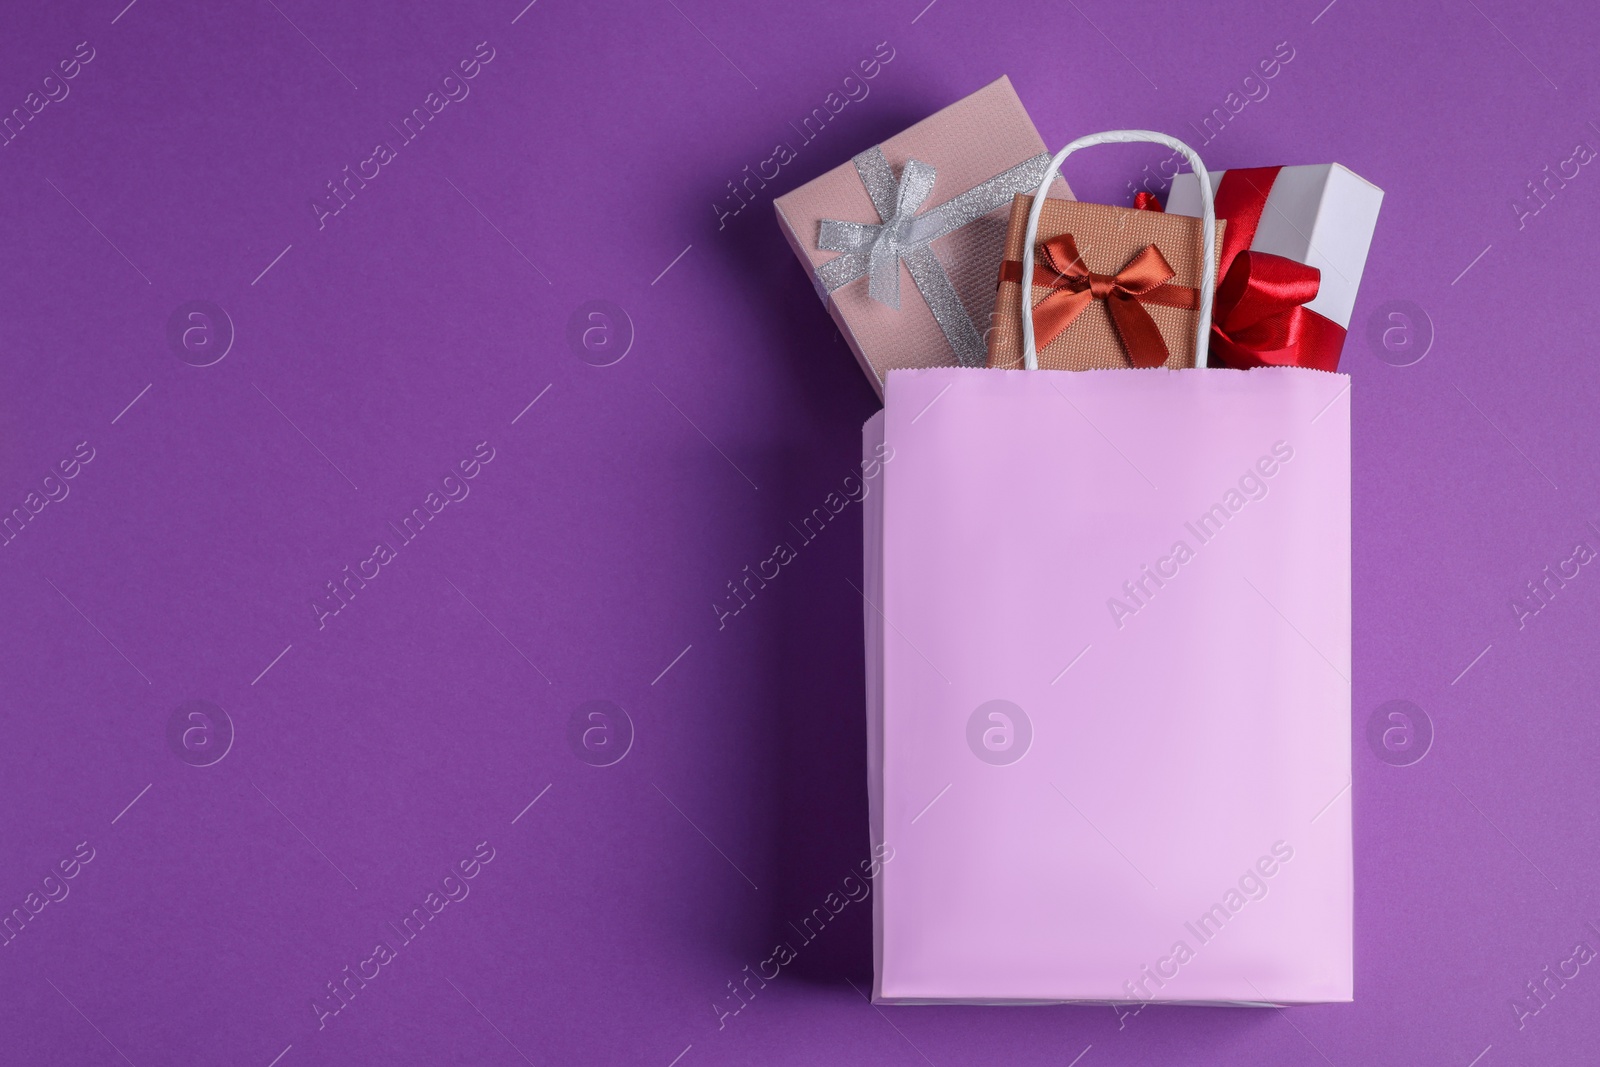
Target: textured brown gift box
column 1107, row 237
column 968, row 142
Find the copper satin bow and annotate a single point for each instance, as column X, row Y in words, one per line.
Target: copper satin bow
column 1074, row 286
column 1260, row 318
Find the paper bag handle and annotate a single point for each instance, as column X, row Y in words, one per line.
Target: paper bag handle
column 1208, row 224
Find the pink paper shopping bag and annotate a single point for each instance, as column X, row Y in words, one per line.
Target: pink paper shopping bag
column 1108, row 648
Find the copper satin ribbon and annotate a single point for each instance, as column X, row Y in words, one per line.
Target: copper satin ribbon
column 1260, row 318
column 1073, row 287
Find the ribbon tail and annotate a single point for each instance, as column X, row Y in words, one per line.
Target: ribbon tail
column 948, row 310
column 883, row 273
column 1138, row 331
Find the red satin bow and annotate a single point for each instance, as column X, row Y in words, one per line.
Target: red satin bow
column 1073, row 286
column 1260, row 318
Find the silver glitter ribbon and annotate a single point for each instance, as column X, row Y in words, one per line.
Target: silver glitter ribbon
column 876, row 249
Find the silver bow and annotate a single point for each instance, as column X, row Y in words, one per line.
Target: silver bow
column 877, row 249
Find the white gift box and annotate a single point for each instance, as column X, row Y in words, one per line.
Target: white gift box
column 1322, row 215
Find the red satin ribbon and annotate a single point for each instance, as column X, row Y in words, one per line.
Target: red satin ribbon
column 1073, row 286
column 1260, row 318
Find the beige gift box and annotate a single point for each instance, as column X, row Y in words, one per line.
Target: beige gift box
column 1108, row 238
column 903, row 242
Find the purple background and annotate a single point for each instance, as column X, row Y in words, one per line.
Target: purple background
column 375, row 352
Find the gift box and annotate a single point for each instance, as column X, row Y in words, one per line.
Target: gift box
column 1292, row 258
column 902, row 242
column 1112, row 287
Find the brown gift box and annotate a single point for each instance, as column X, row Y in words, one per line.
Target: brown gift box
column 969, row 144
column 1107, row 239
